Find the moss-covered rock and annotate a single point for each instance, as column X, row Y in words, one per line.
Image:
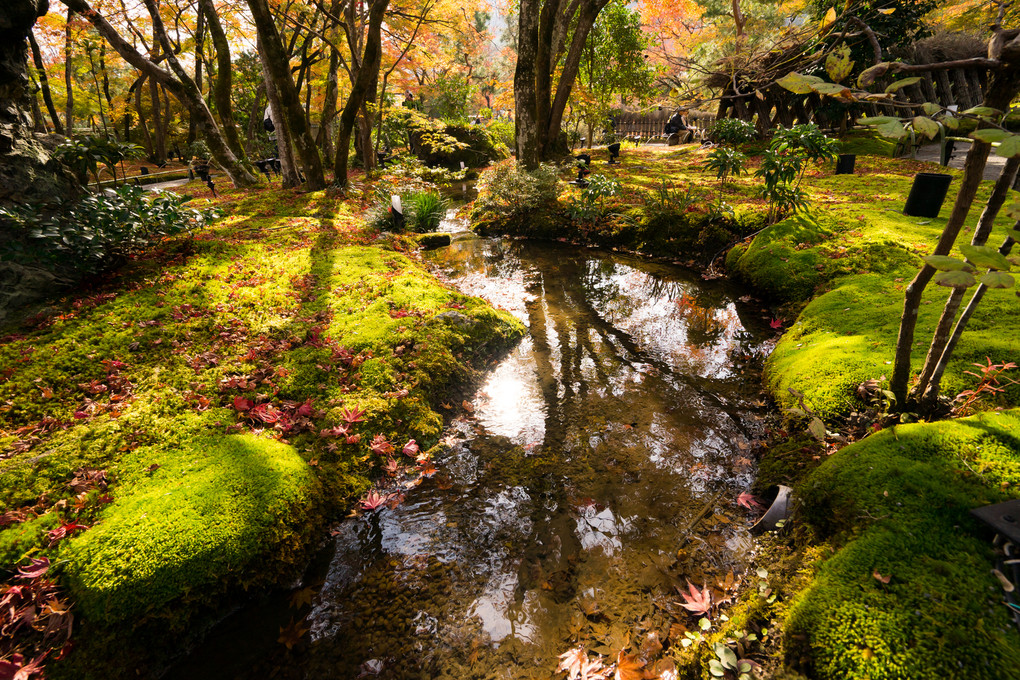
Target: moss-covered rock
column 897, row 504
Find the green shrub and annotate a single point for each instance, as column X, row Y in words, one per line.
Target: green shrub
column 507, row 192
column 502, row 132
column 667, row 201
column 725, row 161
column 424, row 211
column 590, row 206
column 784, row 163
column 84, row 155
column 99, row 230
column 731, row 131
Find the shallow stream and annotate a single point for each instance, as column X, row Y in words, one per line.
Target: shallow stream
column 594, row 472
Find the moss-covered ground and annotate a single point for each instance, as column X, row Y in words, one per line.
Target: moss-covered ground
column 882, row 573
column 182, row 430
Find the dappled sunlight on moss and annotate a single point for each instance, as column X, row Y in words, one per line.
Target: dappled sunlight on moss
column 898, row 504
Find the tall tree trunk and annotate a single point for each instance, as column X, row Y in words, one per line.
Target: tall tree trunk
column 224, row 78
column 284, row 142
column 193, row 124
column 981, row 232
column 99, row 93
column 365, row 76
column 44, row 83
column 278, row 63
column 332, row 93
column 150, row 149
column 68, row 72
column 159, row 140
column 38, row 121
column 526, row 124
column 178, row 83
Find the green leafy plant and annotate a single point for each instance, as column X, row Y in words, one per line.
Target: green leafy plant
column 725, row 161
column 102, row 229
column 424, row 210
column 666, row 200
column 590, row 206
column 731, row 131
column 85, row 155
column 507, row 191
column 784, row 163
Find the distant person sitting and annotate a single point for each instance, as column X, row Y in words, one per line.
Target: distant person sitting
column 677, row 127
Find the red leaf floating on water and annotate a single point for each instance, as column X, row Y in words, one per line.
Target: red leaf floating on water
column 776, row 323
column 373, row 500
column 748, row 501
column 699, row 601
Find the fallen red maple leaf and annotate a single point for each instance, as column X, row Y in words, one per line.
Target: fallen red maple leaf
column 748, row 501
column 699, row 601
column 242, row 404
column 411, row 448
column 373, row 500
column 381, row 445
column 628, row 667
column 776, row 323
column 354, row 415
column 579, row 667
column 34, row 569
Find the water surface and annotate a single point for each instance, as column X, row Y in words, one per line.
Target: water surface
column 596, row 473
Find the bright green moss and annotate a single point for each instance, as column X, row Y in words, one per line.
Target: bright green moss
column 212, row 510
column 286, row 290
column 898, row 503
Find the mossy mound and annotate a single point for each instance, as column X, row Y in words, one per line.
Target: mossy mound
column 897, row 505
column 131, row 410
column 477, row 147
column 215, row 509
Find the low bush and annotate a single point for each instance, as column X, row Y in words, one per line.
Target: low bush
column 424, row 210
column 509, row 194
column 731, row 131
column 98, row 231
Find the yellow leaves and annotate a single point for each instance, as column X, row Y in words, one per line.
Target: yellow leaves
column 838, row 64
column 828, row 20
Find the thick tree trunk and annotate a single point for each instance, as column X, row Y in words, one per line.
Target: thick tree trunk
column 224, row 77
column 284, row 142
column 526, row 124
column 279, row 65
column 150, row 150
column 365, row 76
column 193, row 124
column 44, row 83
column 159, row 138
column 325, row 140
column 181, row 86
column 542, row 33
